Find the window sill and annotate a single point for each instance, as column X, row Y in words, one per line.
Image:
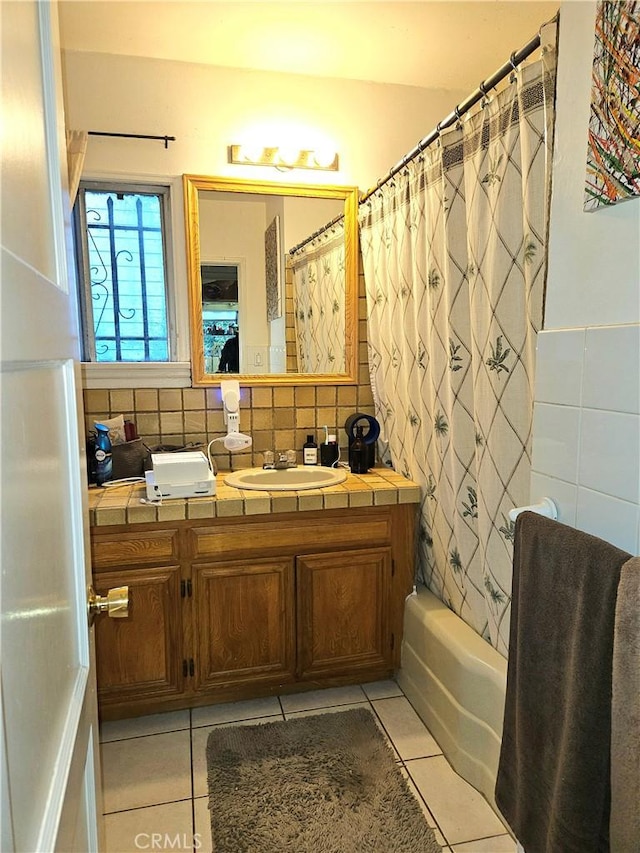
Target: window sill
column 170, row 374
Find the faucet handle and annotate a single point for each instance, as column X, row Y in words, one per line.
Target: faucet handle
column 291, row 459
column 268, row 460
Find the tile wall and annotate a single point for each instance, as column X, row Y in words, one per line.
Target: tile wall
column 586, row 430
column 277, row 418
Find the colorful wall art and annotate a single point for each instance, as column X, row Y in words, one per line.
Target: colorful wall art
column 613, row 158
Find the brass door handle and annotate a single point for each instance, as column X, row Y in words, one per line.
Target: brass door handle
column 115, row 603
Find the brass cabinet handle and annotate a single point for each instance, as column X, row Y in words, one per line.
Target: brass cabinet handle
column 115, row 603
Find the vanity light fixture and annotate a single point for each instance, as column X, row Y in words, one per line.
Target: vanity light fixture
column 284, row 157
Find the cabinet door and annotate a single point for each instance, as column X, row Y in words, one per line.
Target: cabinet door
column 140, row 657
column 244, row 622
column 342, row 608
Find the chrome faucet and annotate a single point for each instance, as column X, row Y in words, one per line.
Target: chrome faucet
column 279, row 460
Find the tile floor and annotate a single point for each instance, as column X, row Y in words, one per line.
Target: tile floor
column 154, row 774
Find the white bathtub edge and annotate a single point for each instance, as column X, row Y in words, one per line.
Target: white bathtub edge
column 456, row 682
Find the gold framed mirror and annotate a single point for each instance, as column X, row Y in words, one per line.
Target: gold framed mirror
column 273, row 281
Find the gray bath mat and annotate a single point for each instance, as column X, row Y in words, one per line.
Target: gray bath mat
column 326, row 783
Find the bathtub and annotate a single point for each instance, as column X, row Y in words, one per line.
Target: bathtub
column 456, row 682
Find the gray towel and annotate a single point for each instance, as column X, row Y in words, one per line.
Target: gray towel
column 553, row 783
column 624, row 825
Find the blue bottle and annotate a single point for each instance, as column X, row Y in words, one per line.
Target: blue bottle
column 104, row 462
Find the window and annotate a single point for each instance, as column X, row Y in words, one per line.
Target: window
column 121, row 246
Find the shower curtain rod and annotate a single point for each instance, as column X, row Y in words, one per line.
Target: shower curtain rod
column 514, row 60
column 165, row 139
column 315, row 234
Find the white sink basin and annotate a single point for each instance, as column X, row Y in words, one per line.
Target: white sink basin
column 286, row 479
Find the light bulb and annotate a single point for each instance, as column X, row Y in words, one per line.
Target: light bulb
column 287, row 155
column 324, row 157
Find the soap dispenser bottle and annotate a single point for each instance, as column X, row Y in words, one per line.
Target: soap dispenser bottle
column 104, row 462
column 358, row 453
column 310, row 451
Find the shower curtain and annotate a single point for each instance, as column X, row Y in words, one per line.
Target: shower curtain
column 454, row 251
column 319, row 306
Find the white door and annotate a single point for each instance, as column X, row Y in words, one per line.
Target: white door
column 48, row 708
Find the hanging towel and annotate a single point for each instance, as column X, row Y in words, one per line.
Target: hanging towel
column 553, row 783
column 624, row 825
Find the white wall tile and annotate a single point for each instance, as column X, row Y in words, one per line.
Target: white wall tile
column 559, row 361
column 556, row 432
column 564, row 495
column 592, row 282
column 609, row 518
column 612, row 369
column 610, row 454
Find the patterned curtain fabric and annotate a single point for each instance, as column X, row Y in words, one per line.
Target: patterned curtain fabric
column 454, row 260
column 319, row 307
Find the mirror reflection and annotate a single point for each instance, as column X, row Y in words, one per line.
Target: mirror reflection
column 220, row 317
column 273, row 281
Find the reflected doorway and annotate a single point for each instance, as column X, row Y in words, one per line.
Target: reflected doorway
column 220, row 317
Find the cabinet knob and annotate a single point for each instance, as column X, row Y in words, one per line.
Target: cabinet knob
column 115, row 603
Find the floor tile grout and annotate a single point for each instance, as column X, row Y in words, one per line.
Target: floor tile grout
column 371, row 703
column 193, row 783
column 147, row 734
column 148, row 806
column 433, row 817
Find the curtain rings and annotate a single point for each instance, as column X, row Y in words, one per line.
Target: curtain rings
column 458, row 117
column 485, row 94
column 514, row 68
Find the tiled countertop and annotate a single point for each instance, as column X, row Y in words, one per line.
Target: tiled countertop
column 122, row 504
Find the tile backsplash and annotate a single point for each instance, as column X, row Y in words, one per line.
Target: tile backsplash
column 277, row 418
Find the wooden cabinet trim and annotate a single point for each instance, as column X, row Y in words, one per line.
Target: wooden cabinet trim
column 275, row 536
column 121, row 548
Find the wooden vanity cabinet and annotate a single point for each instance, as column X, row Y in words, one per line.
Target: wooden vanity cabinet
column 144, row 650
column 343, row 612
column 228, row 609
column 139, row 657
column 243, row 623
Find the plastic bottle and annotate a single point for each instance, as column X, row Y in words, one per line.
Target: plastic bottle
column 310, row 451
column 104, row 462
column 91, row 459
column 358, row 453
